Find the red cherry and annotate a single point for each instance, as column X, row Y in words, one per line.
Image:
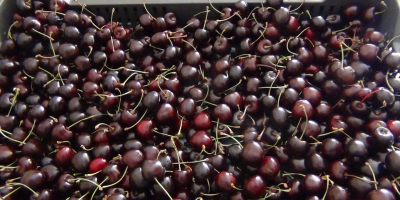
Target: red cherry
column 64, row 156
column 202, row 121
column 97, row 164
column 200, row 139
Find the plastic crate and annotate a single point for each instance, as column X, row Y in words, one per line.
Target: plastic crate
column 128, row 11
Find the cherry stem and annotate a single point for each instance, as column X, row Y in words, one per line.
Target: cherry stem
column 298, row 6
column 279, row 97
column 289, row 174
column 209, row 195
column 373, row 175
column 233, row 138
column 27, row 187
column 242, row 56
column 244, row 112
column 367, row 181
column 87, row 180
column 278, row 189
column 90, row 117
column 203, row 101
column 305, row 127
column 387, row 81
column 9, row 29
column 327, row 187
column 341, row 47
column 261, row 33
column 85, row 149
column 189, row 44
column 251, row 13
column 216, row 136
column 216, row 9
column 34, row 30
column 84, row 7
column 395, row 187
column 122, row 177
column 181, row 36
column 348, row 48
column 391, row 41
column 127, row 128
column 40, row 56
column 17, row 90
column 112, row 15
column 205, row 20
column 155, row 131
column 371, row 93
column 191, row 162
column 276, row 77
column 181, row 29
column 350, row 24
column 9, row 194
column 94, row 192
column 95, row 25
column 236, row 188
column 383, row 4
column 261, row 134
column 90, row 51
column 30, row 132
column 177, row 154
column 276, row 87
column 278, row 138
column 93, row 174
column 12, row 180
column 6, row 132
column 252, row 119
column 14, row 140
column 220, row 138
column 308, row 13
column 231, row 88
column 255, row 19
column 226, row 19
column 103, row 124
column 302, row 32
column 140, row 100
column 162, row 187
column 276, row 65
column 83, row 196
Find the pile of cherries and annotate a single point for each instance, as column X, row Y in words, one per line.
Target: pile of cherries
column 263, row 102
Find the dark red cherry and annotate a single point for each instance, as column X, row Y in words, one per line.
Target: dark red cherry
column 254, row 187
column 252, row 154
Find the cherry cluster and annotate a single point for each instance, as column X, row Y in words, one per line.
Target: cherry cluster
column 263, row 102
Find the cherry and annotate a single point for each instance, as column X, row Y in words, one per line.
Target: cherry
column 133, row 158
column 152, row 169
column 313, row 184
column 281, row 17
column 33, row 179
column 254, row 187
column 64, row 156
column 368, row 52
column 224, row 181
column 136, row 179
column 383, row 137
column 165, row 113
column 359, row 187
column 391, row 160
column 380, row 193
column 252, row 154
column 201, row 140
column 202, row 121
column 337, row 192
column 80, row 161
column 269, row 168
